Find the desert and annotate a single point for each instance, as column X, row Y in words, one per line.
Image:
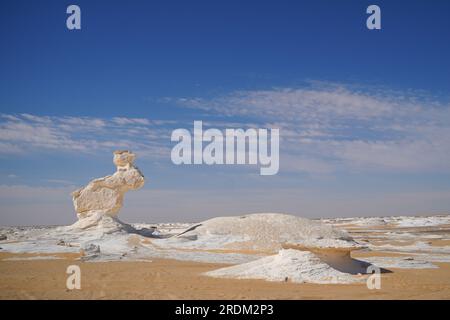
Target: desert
column 420, row 270
column 251, row 256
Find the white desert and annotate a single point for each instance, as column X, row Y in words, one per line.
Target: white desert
column 253, row 256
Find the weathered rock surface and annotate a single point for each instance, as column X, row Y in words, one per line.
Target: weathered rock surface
column 288, row 265
column 269, row 232
column 310, row 244
column 103, row 197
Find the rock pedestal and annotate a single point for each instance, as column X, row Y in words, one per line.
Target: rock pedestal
column 103, row 197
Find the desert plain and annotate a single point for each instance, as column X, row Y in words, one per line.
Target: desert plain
column 415, row 249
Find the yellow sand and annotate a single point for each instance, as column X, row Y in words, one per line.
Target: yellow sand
column 170, row 279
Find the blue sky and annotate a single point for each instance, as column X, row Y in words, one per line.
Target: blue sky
column 364, row 116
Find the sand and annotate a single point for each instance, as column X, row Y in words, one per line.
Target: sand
column 172, row 279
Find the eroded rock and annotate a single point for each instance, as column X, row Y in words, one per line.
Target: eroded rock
column 103, row 197
column 268, row 232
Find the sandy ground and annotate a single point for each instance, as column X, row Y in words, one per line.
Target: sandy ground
column 171, row 279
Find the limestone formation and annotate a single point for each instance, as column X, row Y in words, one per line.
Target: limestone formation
column 103, row 197
column 288, row 265
column 269, row 233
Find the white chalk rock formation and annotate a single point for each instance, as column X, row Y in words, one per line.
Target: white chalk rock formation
column 268, row 232
column 288, row 265
column 309, row 245
column 98, row 203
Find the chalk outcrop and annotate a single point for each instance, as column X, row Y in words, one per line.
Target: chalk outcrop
column 103, row 197
column 303, row 250
column 287, row 266
column 268, row 232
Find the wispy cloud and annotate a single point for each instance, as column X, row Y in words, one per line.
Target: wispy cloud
column 128, row 121
column 60, row 182
column 21, row 133
column 323, row 128
column 327, row 126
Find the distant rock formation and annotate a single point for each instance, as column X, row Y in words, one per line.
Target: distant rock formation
column 103, row 197
column 269, row 232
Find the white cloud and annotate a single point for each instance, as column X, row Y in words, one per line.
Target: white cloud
column 35, row 118
column 333, row 125
column 323, row 128
column 60, row 181
column 311, row 103
column 31, row 133
column 9, row 149
column 127, row 121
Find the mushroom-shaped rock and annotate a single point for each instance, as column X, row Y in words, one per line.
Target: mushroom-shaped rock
column 271, row 232
column 104, row 196
column 288, row 265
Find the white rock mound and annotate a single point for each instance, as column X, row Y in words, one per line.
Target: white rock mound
column 268, row 232
column 288, row 265
column 98, row 203
column 305, row 250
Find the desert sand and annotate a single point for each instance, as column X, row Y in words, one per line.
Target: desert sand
column 172, row 279
column 415, row 249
